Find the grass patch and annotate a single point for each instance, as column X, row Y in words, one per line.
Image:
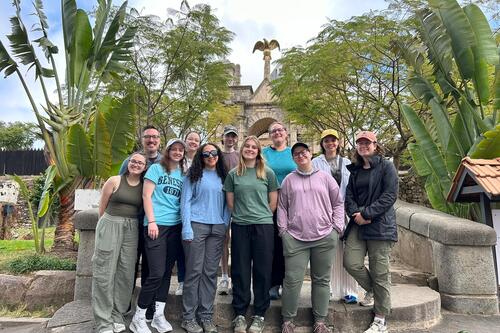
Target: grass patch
column 17, row 248
column 21, row 312
column 36, row 262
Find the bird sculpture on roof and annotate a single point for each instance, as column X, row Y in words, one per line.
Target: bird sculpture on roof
column 266, row 47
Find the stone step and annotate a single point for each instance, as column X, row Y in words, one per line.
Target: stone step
column 400, row 274
column 414, row 307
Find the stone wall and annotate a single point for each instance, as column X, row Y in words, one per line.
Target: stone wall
column 37, row 291
column 19, row 216
column 411, row 189
column 457, row 252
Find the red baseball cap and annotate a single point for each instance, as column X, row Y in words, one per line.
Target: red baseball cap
column 366, row 135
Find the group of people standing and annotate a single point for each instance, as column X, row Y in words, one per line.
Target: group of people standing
column 279, row 208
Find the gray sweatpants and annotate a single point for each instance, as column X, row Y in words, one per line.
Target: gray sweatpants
column 113, row 265
column 202, row 256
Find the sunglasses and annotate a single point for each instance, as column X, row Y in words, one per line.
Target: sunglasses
column 207, row 154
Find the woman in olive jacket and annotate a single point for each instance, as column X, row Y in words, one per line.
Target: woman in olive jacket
column 370, row 196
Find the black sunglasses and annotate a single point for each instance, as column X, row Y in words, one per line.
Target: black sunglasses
column 207, row 154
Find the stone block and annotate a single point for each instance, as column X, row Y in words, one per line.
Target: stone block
column 86, row 219
column 85, row 253
column 83, row 288
column 464, row 270
column 403, row 215
column 75, row 312
column 50, row 288
column 14, row 289
column 470, row 304
column 456, row 231
column 408, row 245
column 420, row 223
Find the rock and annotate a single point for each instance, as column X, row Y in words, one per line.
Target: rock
column 54, row 288
column 13, row 289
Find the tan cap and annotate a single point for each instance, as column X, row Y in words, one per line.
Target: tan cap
column 366, row 135
column 328, row 132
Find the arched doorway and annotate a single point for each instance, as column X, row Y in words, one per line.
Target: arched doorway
column 259, row 129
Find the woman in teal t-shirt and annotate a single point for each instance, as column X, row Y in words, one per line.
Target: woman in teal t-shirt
column 252, row 193
column 162, row 234
column 279, row 158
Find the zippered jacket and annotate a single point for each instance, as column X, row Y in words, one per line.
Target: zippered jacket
column 379, row 208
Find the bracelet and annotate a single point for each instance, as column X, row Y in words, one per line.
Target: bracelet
column 151, row 222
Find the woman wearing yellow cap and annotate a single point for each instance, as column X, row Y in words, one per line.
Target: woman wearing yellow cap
column 342, row 285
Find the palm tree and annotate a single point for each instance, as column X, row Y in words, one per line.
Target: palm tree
column 84, row 138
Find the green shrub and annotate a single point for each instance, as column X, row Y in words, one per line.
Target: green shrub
column 36, row 262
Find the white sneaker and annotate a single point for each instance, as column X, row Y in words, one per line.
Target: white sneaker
column 223, row 287
column 106, row 331
column 178, row 292
column 367, row 300
column 377, row 326
column 139, row 325
column 161, row 324
column 119, row 327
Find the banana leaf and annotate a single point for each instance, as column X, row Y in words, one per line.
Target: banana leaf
column 489, row 146
column 460, row 32
column 79, row 150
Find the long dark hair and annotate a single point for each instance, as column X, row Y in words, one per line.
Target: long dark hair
column 195, row 172
column 165, row 159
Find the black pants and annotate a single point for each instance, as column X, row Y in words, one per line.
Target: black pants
column 162, row 253
column 278, row 260
column 251, row 260
column 141, row 252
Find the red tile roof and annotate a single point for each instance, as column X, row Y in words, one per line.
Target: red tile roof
column 483, row 173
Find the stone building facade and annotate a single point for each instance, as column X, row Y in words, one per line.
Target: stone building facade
column 257, row 110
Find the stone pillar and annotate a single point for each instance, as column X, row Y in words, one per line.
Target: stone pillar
column 85, row 222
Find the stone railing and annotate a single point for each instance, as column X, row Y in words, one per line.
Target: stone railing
column 457, row 252
column 85, row 223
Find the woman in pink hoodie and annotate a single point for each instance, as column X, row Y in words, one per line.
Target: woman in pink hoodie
column 310, row 218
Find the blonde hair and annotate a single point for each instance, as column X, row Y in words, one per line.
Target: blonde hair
column 260, row 164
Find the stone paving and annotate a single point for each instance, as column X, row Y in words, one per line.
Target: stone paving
column 450, row 323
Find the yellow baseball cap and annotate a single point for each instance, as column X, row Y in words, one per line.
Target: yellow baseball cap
column 328, row 132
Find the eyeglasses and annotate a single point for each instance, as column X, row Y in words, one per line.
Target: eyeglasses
column 363, row 143
column 207, row 154
column 302, row 153
column 136, row 162
column 147, row 137
column 276, row 130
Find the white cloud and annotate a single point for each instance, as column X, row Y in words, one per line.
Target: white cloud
column 291, row 22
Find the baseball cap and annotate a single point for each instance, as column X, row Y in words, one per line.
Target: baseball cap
column 328, row 132
column 230, row 129
column 299, row 144
column 366, row 135
column 172, row 141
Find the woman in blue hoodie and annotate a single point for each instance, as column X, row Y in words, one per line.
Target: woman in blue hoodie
column 205, row 218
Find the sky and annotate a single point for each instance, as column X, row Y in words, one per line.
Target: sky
column 291, row 22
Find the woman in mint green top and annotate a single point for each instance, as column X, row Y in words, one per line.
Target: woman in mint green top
column 251, row 192
column 279, row 158
column 162, row 234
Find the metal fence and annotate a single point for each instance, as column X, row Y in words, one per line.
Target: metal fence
column 22, row 162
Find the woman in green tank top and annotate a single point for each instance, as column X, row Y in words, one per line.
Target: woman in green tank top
column 115, row 252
